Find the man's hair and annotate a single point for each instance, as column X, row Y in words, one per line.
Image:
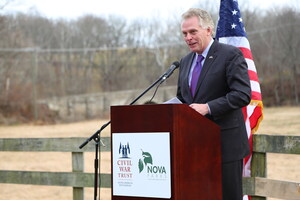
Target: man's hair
column 205, row 20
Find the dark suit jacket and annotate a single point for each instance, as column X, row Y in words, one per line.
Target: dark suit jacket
column 224, row 84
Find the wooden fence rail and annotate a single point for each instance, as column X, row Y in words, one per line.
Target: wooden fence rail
column 257, row 186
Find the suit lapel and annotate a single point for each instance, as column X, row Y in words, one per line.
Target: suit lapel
column 211, row 56
column 187, row 69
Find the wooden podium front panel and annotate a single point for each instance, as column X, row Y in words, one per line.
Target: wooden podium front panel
column 198, row 150
column 195, row 147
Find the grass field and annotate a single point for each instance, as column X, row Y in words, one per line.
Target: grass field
column 277, row 121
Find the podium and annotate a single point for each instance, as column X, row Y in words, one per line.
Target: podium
column 193, row 148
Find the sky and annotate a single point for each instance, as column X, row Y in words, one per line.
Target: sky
column 130, row 9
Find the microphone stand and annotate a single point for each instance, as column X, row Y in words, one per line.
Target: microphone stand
column 96, row 135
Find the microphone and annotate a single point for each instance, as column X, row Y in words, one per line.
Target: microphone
column 170, row 71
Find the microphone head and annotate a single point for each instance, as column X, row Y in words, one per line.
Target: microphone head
column 176, row 63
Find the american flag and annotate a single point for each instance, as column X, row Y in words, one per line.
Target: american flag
column 231, row 30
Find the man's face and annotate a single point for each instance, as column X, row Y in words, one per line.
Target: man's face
column 196, row 37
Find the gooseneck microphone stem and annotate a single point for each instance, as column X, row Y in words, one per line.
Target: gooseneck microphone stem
column 149, row 88
column 108, row 123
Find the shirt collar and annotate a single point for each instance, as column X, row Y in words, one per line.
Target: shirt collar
column 205, row 52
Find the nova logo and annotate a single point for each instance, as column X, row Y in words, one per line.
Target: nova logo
column 146, row 161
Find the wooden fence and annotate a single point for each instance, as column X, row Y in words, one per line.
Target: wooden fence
column 257, row 186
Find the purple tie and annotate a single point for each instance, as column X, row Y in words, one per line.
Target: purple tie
column 196, row 74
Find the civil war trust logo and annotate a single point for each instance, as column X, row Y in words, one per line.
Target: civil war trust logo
column 124, row 163
column 146, row 163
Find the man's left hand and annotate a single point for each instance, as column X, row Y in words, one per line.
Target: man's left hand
column 200, row 108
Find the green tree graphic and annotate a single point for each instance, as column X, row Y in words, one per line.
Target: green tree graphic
column 147, row 160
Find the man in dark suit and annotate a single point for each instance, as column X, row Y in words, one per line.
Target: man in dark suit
column 219, row 93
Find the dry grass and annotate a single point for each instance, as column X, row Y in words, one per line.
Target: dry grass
column 279, row 121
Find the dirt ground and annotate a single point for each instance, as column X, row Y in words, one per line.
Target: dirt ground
column 277, row 121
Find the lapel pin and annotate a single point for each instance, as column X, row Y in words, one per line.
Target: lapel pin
column 211, row 57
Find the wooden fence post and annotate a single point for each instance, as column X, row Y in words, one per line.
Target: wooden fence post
column 258, row 169
column 78, row 166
